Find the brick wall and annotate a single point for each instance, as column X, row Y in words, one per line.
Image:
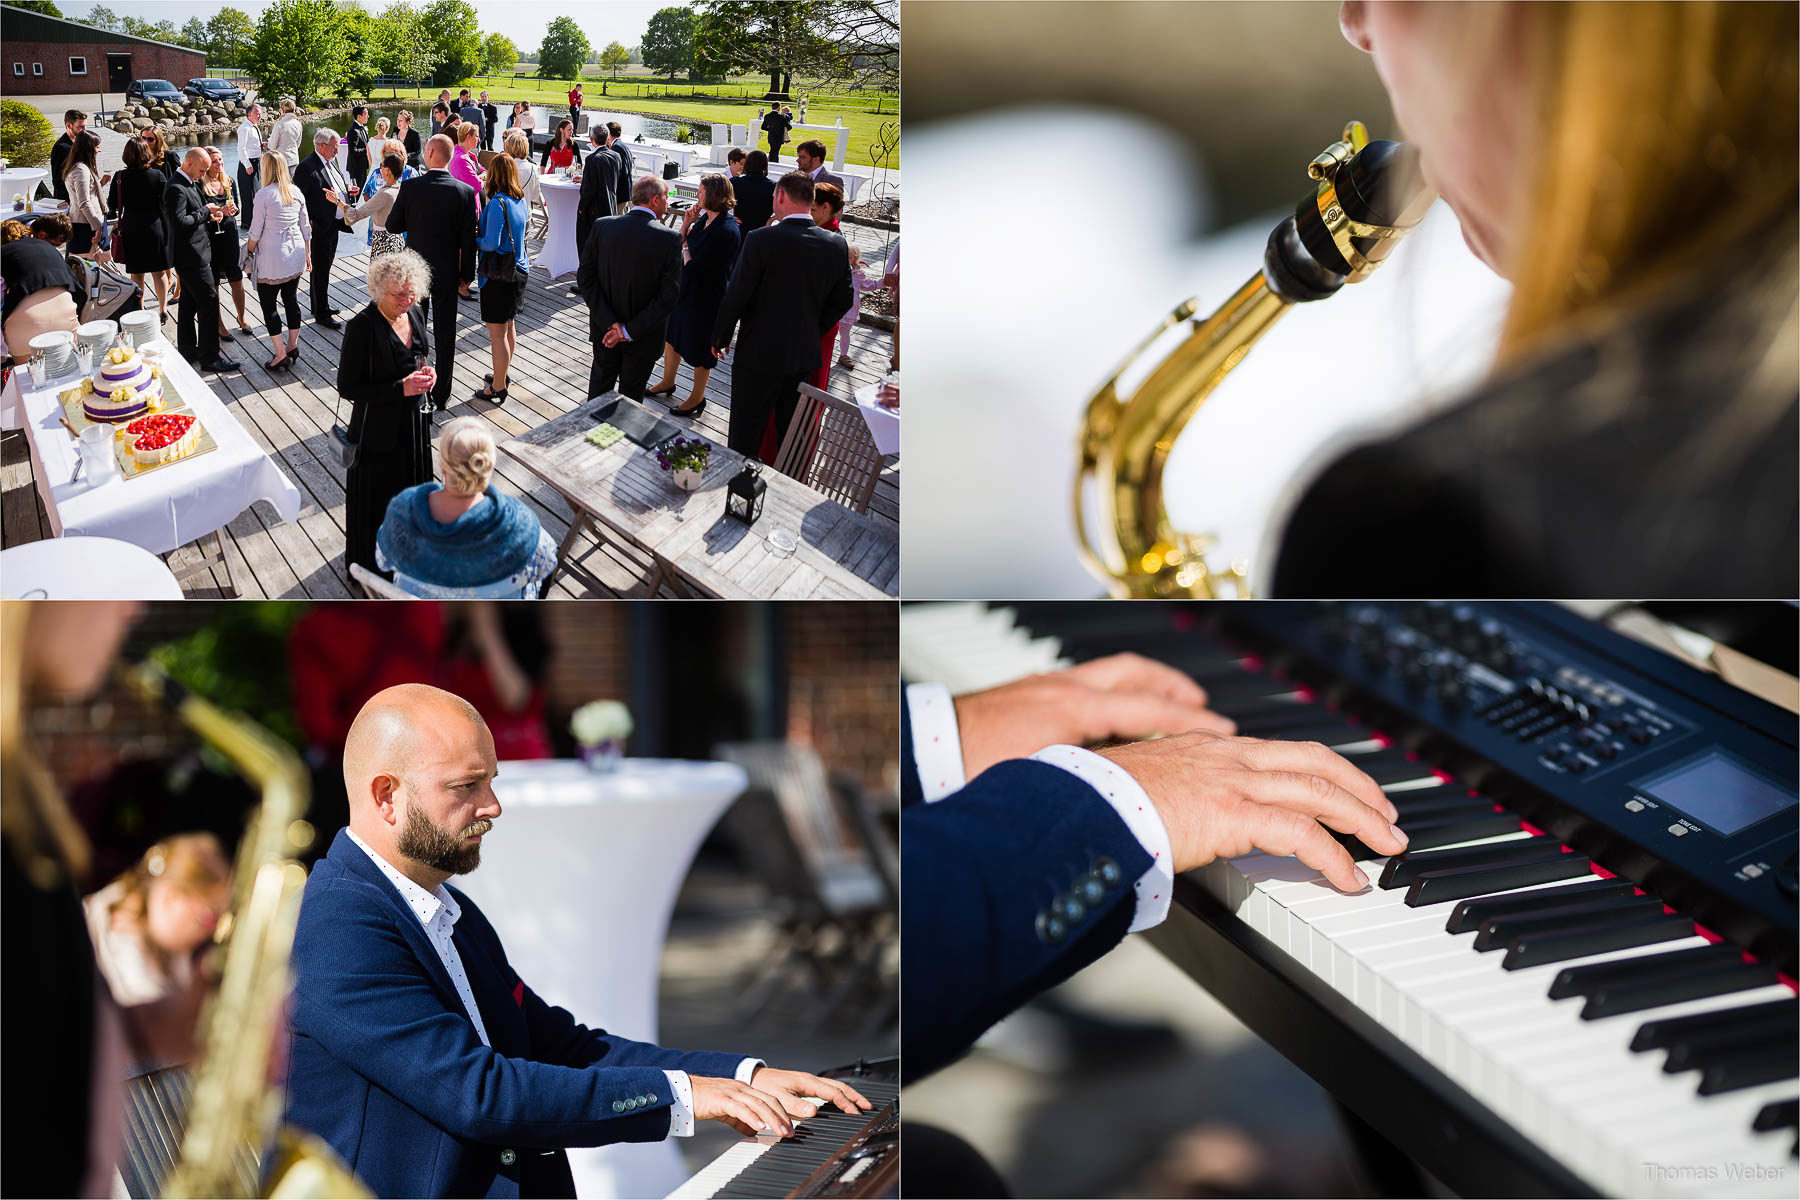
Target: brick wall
column 843, row 686
column 147, row 62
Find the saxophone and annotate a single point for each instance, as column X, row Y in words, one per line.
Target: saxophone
column 235, row 1113
column 1367, row 196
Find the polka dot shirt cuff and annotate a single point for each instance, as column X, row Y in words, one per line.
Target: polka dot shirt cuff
column 937, row 745
column 1129, row 800
column 681, row 1112
column 747, row 1068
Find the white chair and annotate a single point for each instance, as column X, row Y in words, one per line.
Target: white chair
column 721, row 144
column 375, row 587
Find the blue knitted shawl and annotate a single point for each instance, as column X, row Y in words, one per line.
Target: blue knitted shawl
column 492, row 541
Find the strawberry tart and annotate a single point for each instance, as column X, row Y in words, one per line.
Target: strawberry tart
column 161, row 438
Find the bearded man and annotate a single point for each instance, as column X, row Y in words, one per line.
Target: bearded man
column 418, row 1053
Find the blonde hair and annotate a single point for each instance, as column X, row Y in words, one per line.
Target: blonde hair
column 468, row 453
column 517, row 143
column 42, row 836
column 288, row 104
column 183, row 862
column 1664, row 133
column 275, row 171
column 381, row 127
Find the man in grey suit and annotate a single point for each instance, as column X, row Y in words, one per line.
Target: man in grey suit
column 809, row 157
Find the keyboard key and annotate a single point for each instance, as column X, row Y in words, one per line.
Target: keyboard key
column 1655, row 1035
column 1612, row 934
column 1470, row 914
column 1753, row 1065
column 1402, row 869
column 1498, row 931
column 1437, row 887
column 1636, row 996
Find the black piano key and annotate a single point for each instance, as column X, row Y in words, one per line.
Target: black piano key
column 1666, row 1031
column 1751, row 1066
column 1696, row 1050
column 1470, row 914
column 1402, row 869
column 1432, row 835
column 1428, row 805
column 1585, row 980
column 1438, row 887
column 1391, row 766
column 1595, row 938
column 1498, row 931
column 1271, row 706
column 1302, row 725
column 1777, row 1114
column 1610, row 1000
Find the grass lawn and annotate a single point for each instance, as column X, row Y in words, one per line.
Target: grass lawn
column 865, row 128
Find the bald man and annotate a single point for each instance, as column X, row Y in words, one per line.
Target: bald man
column 418, row 1054
column 190, row 222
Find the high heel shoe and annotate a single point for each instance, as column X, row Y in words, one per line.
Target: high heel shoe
column 284, row 363
column 688, row 412
column 488, row 393
column 665, row 391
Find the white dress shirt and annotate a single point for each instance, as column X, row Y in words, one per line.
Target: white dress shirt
column 438, row 912
column 937, row 755
column 285, row 140
column 249, row 142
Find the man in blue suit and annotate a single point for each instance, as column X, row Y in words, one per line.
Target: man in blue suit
column 418, row 1053
column 1049, row 854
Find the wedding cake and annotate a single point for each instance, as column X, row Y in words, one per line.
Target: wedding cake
column 162, row 437
column 125, row 387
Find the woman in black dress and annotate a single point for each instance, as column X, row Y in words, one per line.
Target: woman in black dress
column 216, row 186
column 711, row 248
column 403, row 130
column 146, row 241
column 385, row 374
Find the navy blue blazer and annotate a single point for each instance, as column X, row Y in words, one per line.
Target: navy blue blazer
column 1008, row 887
column 386, row 1066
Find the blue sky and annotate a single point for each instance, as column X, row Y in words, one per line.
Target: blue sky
column 521, row 20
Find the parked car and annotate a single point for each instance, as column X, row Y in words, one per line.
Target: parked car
column 213, row 89
column 152, row 91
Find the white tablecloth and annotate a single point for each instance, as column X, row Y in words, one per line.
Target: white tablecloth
column 169, row 507
column 579, row 877
column 23, row 180
column 85, row 568
column 560, row 256
column 883, row 423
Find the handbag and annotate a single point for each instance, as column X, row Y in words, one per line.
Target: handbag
column 502, row 266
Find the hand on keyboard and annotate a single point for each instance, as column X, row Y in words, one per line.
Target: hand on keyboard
column 792, row 1088
column 738, row 1105
column 1119, row 696
column 1224, row 796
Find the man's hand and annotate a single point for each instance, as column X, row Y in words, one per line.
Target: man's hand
column 792, row 1088
column 1119, row 696
column 1223, row 796
column 738, row 1105
column 721, row 351
column 462, row 289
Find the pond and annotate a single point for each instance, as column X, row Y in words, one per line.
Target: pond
column 546, row 118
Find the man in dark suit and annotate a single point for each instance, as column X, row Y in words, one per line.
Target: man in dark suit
column 190, row 223
column 809, row 157
column 630, row 277
column 74, row 125
column 616, row 135
column 1066, row 850
column 599, row 185
column 436, row 212
column 468, row 110
column 416, row 1051
column 318, row 173
column 490, row 120
column 776, row 124
column 356, row 145
column 790, row 285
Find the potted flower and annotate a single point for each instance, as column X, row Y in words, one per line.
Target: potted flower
column 685, row 460
column 600, row 728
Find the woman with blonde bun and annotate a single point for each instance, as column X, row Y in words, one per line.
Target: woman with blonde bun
column 460, row 539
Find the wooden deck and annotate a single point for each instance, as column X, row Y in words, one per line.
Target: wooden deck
column 290, row 415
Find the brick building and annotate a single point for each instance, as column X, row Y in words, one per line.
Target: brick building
column 47, row 56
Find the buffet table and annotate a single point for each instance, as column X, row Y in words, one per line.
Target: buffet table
column 579, row 877
column 164, row 509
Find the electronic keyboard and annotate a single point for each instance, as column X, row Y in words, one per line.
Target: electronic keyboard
column 1579, row 977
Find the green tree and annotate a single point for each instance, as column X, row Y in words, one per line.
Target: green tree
column 101, row 17
column 563, row 51
column 407, row 48
column 194, row 34
column 669, row 41
column 300, row 49
column 614, row 57
column 364, row 37
column 456, row 36
column 498, row 54
column 25, row 134
column 778, row 39
column 37, row 6
column 165, row 31
column 228, row 37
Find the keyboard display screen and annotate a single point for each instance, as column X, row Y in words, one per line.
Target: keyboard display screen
column 1718, row 792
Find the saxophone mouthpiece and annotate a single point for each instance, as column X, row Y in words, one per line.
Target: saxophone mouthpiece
column 1366, row 198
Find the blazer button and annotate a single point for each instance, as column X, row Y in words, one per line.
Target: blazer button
column 1051, row 928
column 1069, row 907
column 508, row 1158
column 1109, row 872
column 618, row 1106
column 643, row 1100
column 1091, row 889
column 653, row 1097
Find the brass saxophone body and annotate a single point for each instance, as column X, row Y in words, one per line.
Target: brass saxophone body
column 1367, row 196
column 235, row 1111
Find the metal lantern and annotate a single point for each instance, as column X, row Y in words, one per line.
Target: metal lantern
column 744, row 494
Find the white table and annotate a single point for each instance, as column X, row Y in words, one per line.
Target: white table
column 579, row 878
column 560, row 256
column 883, row 423
column 683, row 154
column 166, row 508
column 23, row 180
column 85, row 568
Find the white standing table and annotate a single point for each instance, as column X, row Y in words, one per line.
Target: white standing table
column 167, row 508
column 579, row 878
column 560, row 256
column 85, row 568
column 883, row 423
column 23, row 180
